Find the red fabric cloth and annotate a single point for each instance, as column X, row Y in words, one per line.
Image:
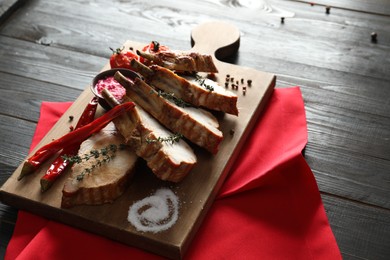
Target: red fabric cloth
column 268, row 208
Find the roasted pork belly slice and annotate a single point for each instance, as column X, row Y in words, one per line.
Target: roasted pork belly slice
column 197, row 91
column 197, row 125
column 106, row 182
column 170, row 161
column 181, row 61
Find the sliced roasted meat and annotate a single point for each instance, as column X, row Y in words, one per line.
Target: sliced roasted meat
column 106, row 182
column 215, row 98
column 125, row 123
column 197, row 125
column 197, row 90
column 169, row 158
column 182, row 61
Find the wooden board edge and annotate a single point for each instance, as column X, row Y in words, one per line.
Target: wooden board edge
column 9, row 7
column 101, row 229
column 172, row 251
column 226, row 171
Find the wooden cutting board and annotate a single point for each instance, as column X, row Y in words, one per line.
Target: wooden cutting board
column 195, row 193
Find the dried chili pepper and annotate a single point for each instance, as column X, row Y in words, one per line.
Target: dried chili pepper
column 60, row 164
column 72, row 138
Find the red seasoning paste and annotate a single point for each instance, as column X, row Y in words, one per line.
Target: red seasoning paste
column 112, row 85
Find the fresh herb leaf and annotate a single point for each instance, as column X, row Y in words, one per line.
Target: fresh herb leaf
column 169, row 139
column 171, row 97
column 201, row 80
column 156, row 46
column 102, row 156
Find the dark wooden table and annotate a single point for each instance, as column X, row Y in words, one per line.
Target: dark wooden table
column 50, row 50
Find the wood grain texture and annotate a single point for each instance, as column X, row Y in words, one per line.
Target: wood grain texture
column 343, row 77
column 349, row 220
column 7, row 7
column 378, row 7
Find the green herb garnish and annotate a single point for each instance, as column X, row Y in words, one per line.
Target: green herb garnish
column 156, row 46
column 100, row 157
column 169, row 139
column 171, row 97
column 201, row 80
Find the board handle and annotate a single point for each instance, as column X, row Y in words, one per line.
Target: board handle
column 216, row 38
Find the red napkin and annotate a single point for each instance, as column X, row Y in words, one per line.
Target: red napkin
column 268, row 208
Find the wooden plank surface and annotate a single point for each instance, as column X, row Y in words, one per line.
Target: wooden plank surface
column 7, row 7
column 208, row 174
column 378, row 7
column 343, row 77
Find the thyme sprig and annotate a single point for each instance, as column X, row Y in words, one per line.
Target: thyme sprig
column 100, row 157
column 171, row 97
column 201, row 80
column 174, row 138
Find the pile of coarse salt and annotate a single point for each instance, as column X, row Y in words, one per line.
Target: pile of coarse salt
column 156, row 213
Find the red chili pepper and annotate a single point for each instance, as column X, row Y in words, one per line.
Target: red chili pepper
column 72, row 138
column 60, row 164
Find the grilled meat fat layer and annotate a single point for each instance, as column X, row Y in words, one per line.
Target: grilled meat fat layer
column 200, row 92
column 181, row 61
column 106, row 182
column 170, row 161
column 197, row 125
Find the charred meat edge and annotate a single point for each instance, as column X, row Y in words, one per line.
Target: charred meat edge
column 189, row 91
column 170, row 162
column 181, row 61
column 106, row 183
column 197, row 125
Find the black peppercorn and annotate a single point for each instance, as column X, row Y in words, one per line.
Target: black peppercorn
column 374, row 37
